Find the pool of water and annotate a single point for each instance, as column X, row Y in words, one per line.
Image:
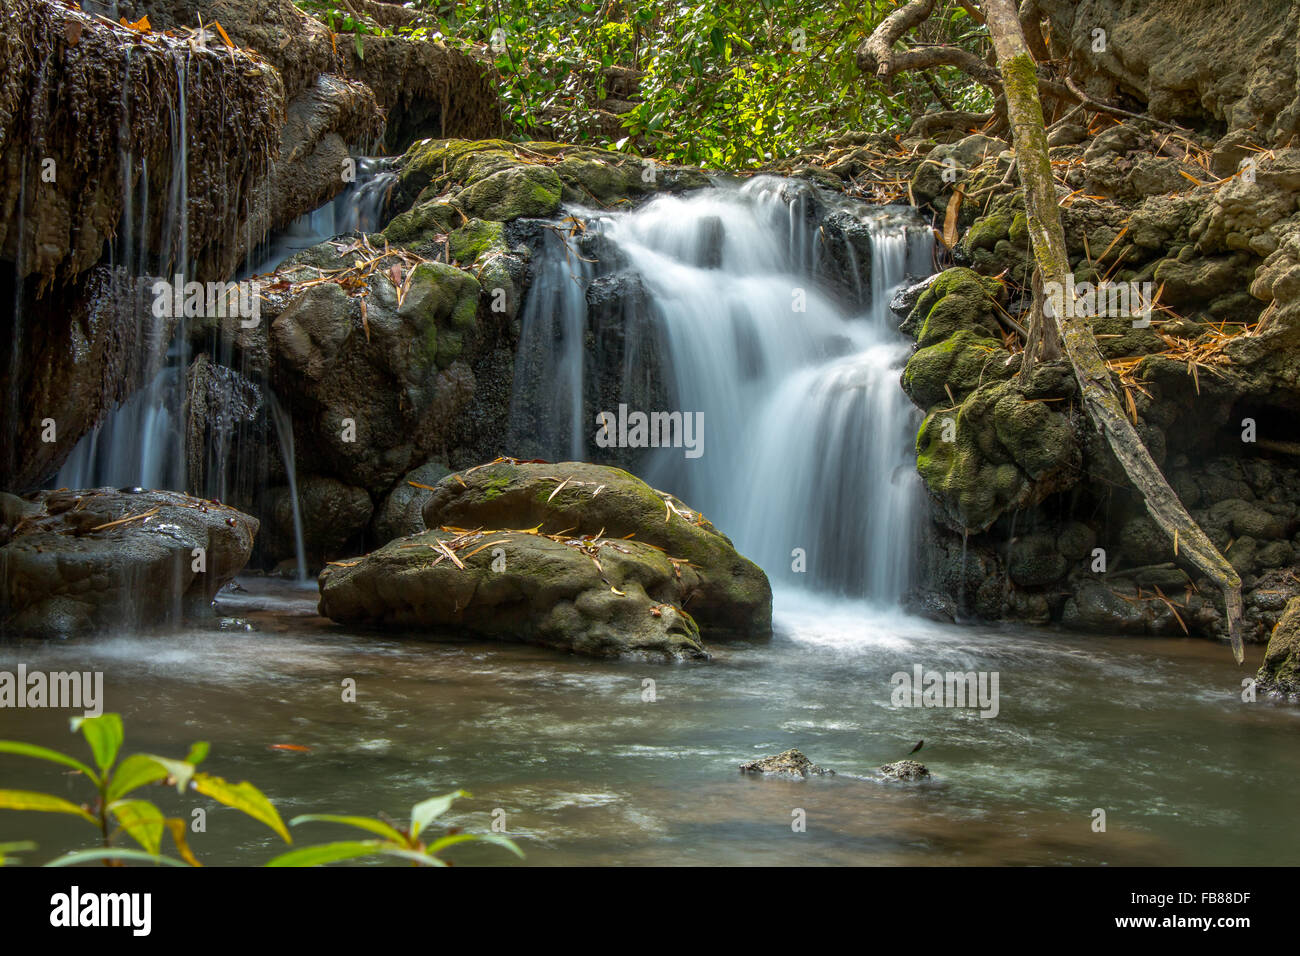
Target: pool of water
column 588, row 770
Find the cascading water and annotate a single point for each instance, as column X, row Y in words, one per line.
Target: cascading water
column 806, row 458
column 142, row 442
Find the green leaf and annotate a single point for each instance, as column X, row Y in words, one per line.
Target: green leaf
column 441, row 844
column 45, row 753
column 364, row 823
column 7, row 851
column 425, row 812
column 356, row 40
column 135, row 771
column 198, row 752
column 244, row 797
column 182, row 771
column 112, row 853
column 328, row 853
column 48, row 803
column 142, row 820
column 104, row 734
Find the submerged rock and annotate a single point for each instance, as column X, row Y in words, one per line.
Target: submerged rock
column 905, row 770
column 788, row 763
column 78, row 561
column 573, row 556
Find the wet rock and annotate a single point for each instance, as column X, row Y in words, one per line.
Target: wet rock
column 600, row 572
column 372, row 396
column 602, row 597
column 402, row 510
column 728, row 593
column 1280, row 672
column 81, row 561
column 789, row 763
column 333, row 515
column 905, row 770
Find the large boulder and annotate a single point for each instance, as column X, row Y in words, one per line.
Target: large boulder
column 374, row 375
column 80, row 561
column 597, row 596
column 728, row 594
column 575, row 556
column 1280, row 672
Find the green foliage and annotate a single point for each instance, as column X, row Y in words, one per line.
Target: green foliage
column 724, row 86
column 397, row 843
column 112, row 813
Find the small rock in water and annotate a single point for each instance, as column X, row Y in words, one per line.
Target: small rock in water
column 790, row 763
column 235, row 624
column 905, row 770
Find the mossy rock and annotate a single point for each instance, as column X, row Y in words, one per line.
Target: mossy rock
column 513, row 193
column 435, row 164
column 604, row 178
column 1118, row 338
column 601, row 597
column 962, row 363
column 987, row 232
column 421, row 223
column 476, row 239
column 732, row 596
column 957, row 299
column 441, row 295
column 996, row 452
column 1280, row 672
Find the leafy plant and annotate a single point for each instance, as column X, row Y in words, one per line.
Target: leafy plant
column 114, row 810
column 719, row 85
column 404, row 843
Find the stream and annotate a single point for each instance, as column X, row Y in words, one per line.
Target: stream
column 1153, row 731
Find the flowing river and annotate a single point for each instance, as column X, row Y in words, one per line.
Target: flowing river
column 587, row 771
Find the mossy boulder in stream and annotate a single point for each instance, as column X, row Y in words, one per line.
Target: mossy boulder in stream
column 570, row 555
column 597, row 596
column 84, row 561
column 1280, row 672
column 731, row 595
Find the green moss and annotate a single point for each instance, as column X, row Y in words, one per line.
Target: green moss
column 987, row 231
column 494, row 486
column 441, row 294
column 450, row 345
column 1002, row 452
column 476, row 238
column 513, row 193
column 420, row 223
column 1019, row 231
column 958, row 299
column 961, row 362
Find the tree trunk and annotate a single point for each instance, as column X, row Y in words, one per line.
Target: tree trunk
column 1100, row 398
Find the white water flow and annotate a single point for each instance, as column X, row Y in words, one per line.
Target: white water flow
column 142, row 442
column 807, row 454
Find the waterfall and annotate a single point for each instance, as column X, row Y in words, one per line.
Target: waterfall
column 142, row 442
column 732, row 306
